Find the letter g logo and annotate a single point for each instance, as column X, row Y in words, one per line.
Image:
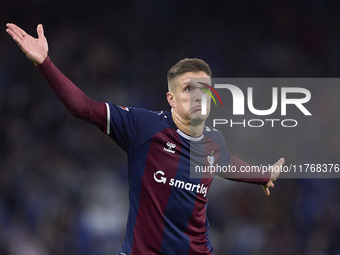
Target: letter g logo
column 161, row 179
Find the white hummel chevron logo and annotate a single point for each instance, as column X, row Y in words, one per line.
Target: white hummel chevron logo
column 170, row 148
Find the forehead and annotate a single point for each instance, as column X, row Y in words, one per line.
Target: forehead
column 185, row 78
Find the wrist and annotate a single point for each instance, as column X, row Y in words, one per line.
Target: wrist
column 40, row 61
column 43, row 64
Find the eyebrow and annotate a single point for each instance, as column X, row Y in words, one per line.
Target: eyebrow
column 186, row 83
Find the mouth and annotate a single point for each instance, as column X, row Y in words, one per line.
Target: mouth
column 196, row 108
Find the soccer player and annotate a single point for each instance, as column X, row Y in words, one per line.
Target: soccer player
column 167, row 208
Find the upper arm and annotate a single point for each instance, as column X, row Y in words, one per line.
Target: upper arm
column 129, row 126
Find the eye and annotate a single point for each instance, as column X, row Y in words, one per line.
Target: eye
column 187, row 89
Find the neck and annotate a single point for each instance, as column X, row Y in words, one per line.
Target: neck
column 193, row 130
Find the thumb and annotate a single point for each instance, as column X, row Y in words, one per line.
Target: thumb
column 40, row 31
column 279, row 163
column 276, row 169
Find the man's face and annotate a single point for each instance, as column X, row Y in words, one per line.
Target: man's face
column 186, row 100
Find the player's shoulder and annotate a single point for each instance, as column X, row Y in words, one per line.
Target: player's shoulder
column 139, row 111
column 141, row 115
column 211, row 132
column 150, row 114
column 214, row 134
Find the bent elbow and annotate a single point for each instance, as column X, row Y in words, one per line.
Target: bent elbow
column 78, row 113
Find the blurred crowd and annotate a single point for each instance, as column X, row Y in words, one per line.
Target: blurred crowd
column 63, row 184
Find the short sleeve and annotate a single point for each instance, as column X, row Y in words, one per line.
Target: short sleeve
column 129, row 127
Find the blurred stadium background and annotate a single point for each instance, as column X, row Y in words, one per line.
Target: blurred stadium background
column 63, row 184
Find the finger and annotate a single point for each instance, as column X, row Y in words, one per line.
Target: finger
column 14, row 36
column 40, row 31
column 266, row 191
column 17, row 30
column 14, row 33
column 20, row 30
column 280, row 162
column 276, row 169
column 269, row 184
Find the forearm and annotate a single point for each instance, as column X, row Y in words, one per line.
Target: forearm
column 241, row 172
column 74, row 99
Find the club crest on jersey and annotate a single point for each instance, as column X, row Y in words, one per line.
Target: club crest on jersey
column 124, row 108
column 211, row 158
column 170, row 148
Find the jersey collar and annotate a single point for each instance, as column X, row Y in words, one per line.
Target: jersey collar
column 188, row 137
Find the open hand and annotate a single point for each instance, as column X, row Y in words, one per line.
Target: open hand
column 275, row 171
column 36, row 49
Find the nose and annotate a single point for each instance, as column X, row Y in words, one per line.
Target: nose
column 197, row 95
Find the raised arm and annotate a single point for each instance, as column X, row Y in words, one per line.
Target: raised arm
column 75, row 100
column 252, row 174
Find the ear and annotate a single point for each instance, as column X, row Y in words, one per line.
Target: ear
column 170, row 96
